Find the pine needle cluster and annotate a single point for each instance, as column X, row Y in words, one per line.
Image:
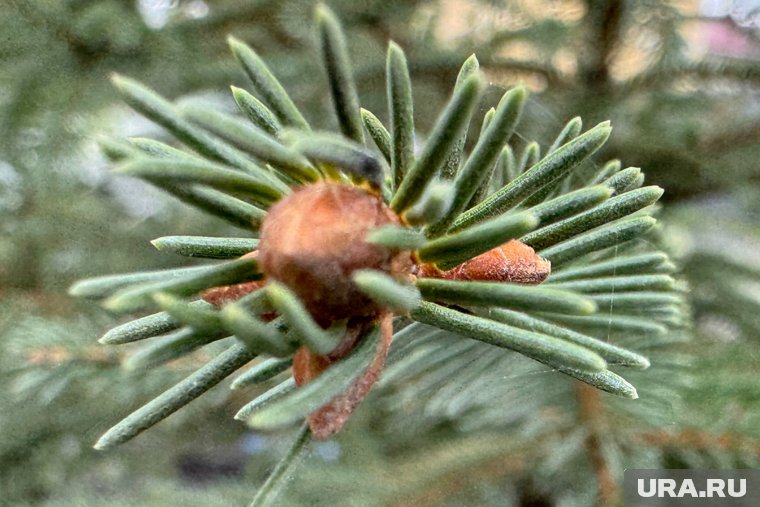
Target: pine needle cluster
column 611, row 294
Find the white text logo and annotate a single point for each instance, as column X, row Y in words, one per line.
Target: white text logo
column 714, row 488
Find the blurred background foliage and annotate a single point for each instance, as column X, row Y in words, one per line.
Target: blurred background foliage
column 678, row 79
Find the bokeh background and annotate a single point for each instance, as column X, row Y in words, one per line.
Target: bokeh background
column 680, row 81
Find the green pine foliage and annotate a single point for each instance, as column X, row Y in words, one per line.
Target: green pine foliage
column 430, row 433
column 51, row 368
column 597, row 234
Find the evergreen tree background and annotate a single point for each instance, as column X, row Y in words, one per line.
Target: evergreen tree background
column 681, row 91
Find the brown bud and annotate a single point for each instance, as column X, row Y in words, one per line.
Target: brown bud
column 513, row 261
column 313, row 240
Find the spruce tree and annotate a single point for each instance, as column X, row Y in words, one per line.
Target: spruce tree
column 436, row 425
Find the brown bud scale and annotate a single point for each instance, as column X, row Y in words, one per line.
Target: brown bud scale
column 513, row 261
column 220, row 296
column 329, row 419
column 314, row 239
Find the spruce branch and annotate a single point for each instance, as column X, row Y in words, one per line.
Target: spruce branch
column 342, row 239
